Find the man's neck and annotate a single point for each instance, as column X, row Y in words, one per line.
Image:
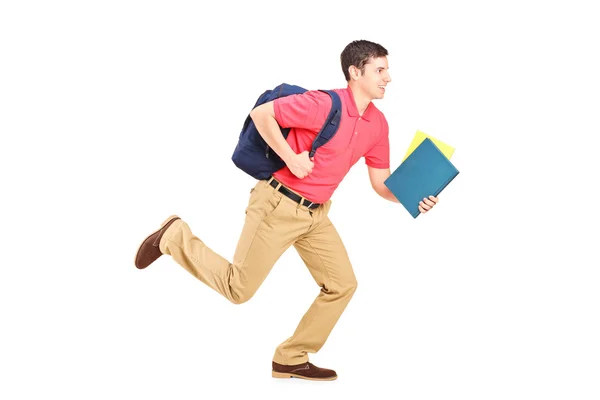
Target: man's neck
column 361, row 100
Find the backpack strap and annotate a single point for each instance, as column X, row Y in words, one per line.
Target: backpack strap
column 331, row 125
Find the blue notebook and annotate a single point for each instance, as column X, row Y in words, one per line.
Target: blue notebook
column 426, row 171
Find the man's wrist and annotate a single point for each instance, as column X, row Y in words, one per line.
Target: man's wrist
column 287, row 156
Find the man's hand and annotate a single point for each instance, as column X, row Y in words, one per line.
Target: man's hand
column 300, row 165
column 427, row 204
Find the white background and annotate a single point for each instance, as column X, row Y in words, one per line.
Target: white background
column 116, row 114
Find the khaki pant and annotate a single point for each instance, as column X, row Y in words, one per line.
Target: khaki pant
column 274, row 223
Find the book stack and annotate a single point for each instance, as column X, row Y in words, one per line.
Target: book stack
column 425, row 170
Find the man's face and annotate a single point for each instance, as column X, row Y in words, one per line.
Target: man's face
column 375, row 78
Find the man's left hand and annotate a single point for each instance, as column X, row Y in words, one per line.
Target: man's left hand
column 427, row 204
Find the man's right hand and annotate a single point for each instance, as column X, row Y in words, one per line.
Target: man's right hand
column 300, row 165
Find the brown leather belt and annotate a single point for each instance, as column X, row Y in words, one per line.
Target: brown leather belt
column 309, row 204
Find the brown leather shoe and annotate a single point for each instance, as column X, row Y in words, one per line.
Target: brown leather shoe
column 303, row 371
column 148, row 252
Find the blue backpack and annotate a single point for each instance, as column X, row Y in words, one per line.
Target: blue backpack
column 252, row 154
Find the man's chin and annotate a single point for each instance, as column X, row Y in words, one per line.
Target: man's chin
column 377, row 96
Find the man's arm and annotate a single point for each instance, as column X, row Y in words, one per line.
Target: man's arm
column 263, row 117
column 377, row 177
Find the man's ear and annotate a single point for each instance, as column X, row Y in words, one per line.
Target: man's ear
column 354, row 72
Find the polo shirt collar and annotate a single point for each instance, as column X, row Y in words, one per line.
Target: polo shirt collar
column 351, row 106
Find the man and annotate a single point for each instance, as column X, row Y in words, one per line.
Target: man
column 291, row 207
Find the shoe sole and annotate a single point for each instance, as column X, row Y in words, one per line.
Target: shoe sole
column 283, row 375
column 148, row 237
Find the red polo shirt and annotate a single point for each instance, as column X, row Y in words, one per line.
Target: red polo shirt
column 356, row 137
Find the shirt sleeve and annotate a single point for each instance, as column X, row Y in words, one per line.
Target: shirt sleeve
column 307, row 110
column 379, row 155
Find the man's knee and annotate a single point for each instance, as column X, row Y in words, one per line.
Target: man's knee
column 351, row 286
column 345, row 288
column 241, row 296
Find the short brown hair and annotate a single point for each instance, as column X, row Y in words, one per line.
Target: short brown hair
column 358, row 53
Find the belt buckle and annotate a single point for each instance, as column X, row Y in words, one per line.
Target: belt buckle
column 308, row 206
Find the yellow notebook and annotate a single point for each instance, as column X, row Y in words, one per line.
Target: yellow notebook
column 446, row 149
